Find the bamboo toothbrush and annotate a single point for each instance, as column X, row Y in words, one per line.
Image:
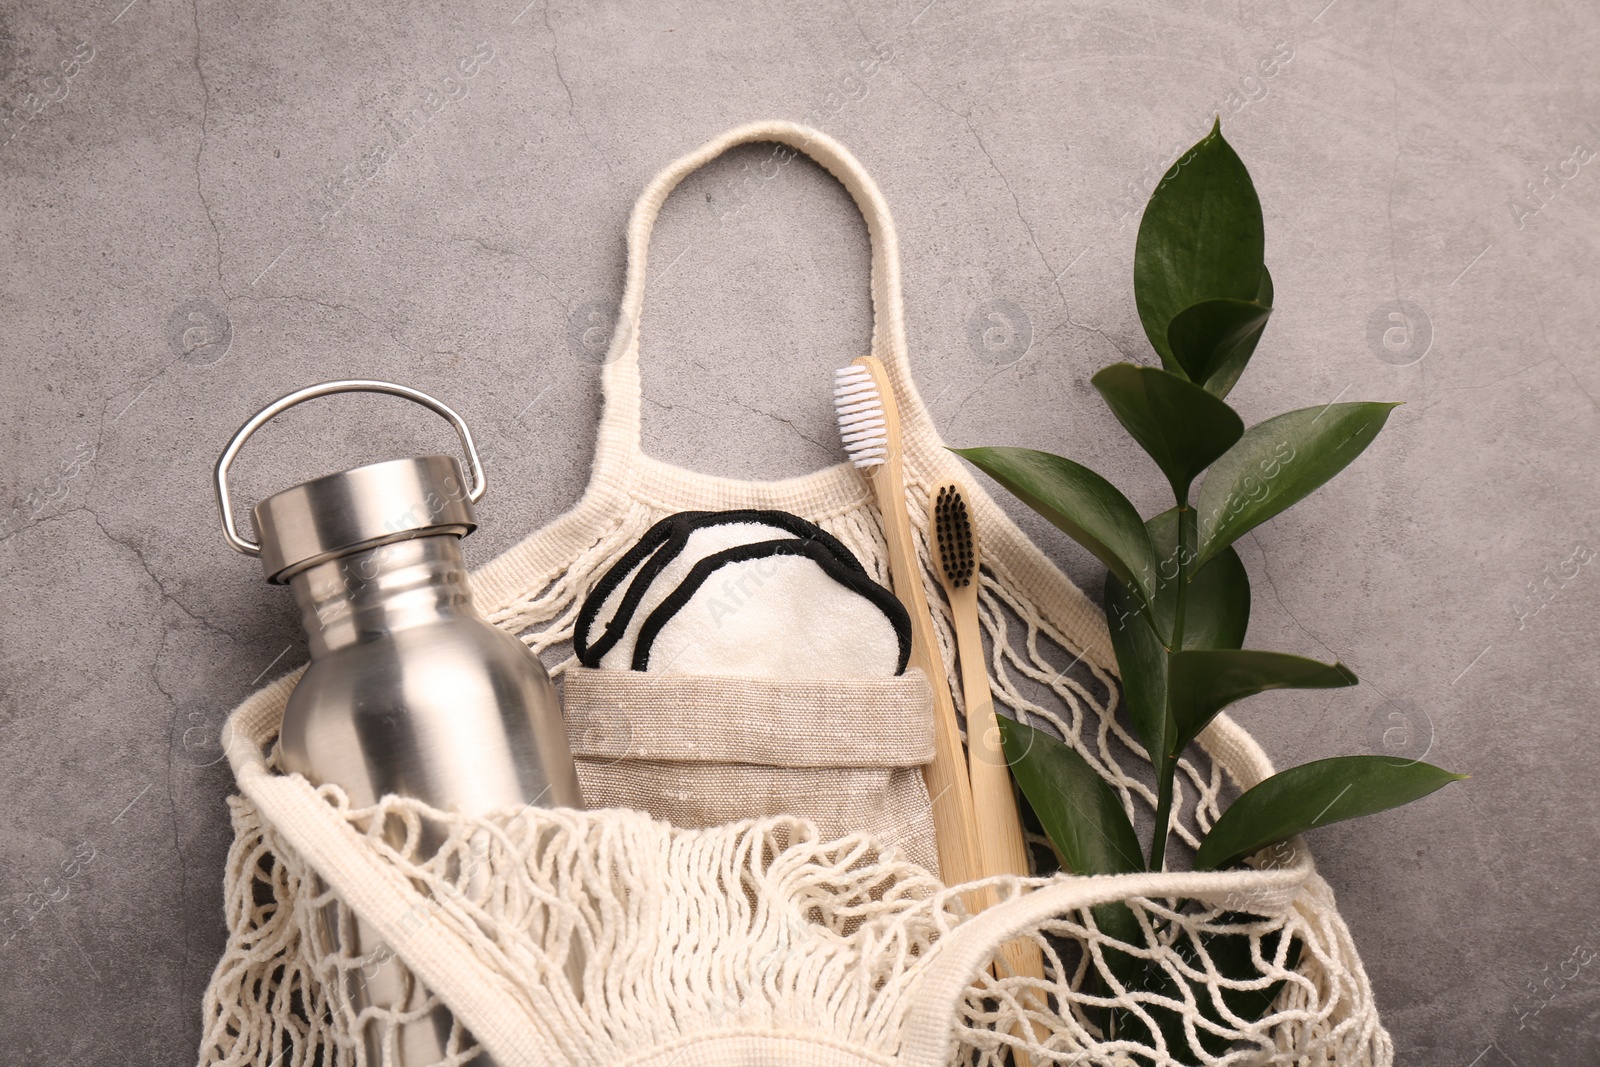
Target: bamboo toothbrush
column 999, row 826
column 869, row 426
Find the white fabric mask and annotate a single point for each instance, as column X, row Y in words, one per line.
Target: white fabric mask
column 608, row 626
column 775, row 609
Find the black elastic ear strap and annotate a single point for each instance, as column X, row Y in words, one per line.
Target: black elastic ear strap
column 855, row 579
column 801, row 528
column 674, row 532
column 609, row 581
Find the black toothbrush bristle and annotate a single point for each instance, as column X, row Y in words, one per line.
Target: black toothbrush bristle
column 953, row 535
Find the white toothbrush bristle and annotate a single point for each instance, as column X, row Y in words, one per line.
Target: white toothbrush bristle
column 862, row 427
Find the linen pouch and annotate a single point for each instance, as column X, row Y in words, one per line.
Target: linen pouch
column 699, row 750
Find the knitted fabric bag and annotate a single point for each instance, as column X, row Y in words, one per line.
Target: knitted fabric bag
column 607, row 937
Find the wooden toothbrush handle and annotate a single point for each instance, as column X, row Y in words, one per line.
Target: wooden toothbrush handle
column 949, row 787
column 994, row 803
column 950, row 790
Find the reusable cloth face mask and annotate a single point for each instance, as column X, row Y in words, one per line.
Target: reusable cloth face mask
column 757, row 943
column 776, row 609
column 608, row 625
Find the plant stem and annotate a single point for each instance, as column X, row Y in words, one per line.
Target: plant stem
column 1167, row 765
column 1166, row 770
column 1180, row 599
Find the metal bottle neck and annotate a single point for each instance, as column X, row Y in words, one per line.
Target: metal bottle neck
column 377, row 591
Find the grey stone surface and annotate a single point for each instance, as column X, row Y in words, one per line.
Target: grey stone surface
column 179, row 248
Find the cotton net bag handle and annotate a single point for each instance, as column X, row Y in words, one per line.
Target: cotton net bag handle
column 620, row 423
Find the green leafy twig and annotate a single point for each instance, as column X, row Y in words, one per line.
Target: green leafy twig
column 1177, row 597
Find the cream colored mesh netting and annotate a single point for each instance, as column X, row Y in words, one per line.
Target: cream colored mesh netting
column 601, row 938
column 621, row 937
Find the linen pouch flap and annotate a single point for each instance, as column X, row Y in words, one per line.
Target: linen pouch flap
column 699, row 750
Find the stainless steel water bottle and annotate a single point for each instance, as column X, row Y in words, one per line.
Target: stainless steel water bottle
column 409, row 690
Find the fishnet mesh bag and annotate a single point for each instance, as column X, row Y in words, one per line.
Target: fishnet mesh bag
column 605, row 937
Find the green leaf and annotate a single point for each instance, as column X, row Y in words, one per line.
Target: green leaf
column 1217, row 608
column 1278, row 463
column 1223, row 379
column 1230, row 956
column 1078, row 501
column 1214, row 339
column 1141, row 664
column 1205, row 681
column 1078, row 809
column 1201, row 238
column 1217, row 612
column 1312, row 795
column 1182, row 427
column 1115, row 918
column 1084, row 818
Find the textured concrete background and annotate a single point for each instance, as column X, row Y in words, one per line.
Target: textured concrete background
column 199, row 220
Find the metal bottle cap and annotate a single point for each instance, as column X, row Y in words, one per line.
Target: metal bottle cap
column 358, row 508
column 361, row 508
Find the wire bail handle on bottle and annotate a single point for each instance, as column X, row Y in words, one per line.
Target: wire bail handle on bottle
column 311, row 392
